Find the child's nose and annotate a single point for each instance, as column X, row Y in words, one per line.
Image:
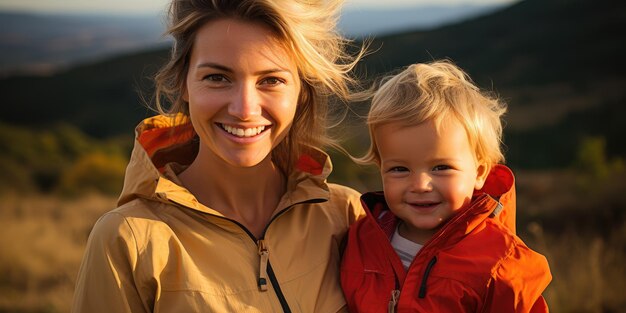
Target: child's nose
column 421, row 182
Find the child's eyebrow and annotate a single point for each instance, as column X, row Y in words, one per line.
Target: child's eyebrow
column 391, row 160
column 445, row 160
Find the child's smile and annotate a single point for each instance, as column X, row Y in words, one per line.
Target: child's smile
column 428, row 173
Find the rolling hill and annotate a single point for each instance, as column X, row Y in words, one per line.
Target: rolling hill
column 42, row 43
column 558, row 63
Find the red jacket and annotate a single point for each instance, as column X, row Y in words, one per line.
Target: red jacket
column 474, row 263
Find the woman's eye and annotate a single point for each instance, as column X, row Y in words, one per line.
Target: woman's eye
column 272, row 81
column 215, row 78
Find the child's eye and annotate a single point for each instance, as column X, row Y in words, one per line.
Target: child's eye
column 441, row 167
column 398, row 169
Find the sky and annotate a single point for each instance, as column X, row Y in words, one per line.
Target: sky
column 133, row 7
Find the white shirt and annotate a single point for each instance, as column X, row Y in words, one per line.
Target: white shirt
column 405, row 248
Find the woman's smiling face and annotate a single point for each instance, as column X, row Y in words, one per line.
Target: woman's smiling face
column 242, row 87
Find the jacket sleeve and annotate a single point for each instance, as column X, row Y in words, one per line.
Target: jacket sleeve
column 518, row 282
column 349, row 200
column 355, row 208
column 356, row 211
column 106, row 279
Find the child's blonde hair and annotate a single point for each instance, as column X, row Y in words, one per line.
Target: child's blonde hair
column 438, row 91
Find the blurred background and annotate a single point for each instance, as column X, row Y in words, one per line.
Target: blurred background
column 74, row 75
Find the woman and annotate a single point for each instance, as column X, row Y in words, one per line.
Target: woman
column 225, row 206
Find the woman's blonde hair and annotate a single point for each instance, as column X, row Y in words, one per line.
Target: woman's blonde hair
column 438, row 91
column 308, row 30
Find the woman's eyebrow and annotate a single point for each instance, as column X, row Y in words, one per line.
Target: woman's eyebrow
column 216, row 66
column 224, row 68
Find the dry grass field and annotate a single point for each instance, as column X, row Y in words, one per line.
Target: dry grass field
column 42, row 240
column 579, row 224
column 581, row 230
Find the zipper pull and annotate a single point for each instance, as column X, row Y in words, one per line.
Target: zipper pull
column 395, row 295
column 264, row 254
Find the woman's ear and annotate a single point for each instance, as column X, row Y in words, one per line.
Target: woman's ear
column 481, row 175
column 185, row 94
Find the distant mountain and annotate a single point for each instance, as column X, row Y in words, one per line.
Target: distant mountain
column 358, row 23
column 42, row 44
column 559, row 64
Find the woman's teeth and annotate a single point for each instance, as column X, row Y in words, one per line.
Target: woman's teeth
column 243, row 132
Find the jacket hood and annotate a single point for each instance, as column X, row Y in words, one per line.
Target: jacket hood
column 496, row 200
column 164, row 146
column 500, row 185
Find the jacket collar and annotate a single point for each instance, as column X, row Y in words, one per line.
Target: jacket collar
column 165, row 146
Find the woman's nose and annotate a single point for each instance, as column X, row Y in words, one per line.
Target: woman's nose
column 245, row 104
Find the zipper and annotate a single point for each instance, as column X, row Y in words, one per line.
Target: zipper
column 279, row 292
column 429, row 267
column 264, row 256
column 266, row 272
column 395, row 295
column 265, row 268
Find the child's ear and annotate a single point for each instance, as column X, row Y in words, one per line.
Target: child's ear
column 481, row 175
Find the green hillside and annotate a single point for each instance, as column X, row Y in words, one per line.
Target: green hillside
column 532, row 43
column 102, row 99
column 558, row 63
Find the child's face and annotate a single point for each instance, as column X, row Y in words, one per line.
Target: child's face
column 427, row 174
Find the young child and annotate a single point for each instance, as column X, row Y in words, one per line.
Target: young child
column 441, row 238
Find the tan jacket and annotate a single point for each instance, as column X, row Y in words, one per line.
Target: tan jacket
column 163, row 251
